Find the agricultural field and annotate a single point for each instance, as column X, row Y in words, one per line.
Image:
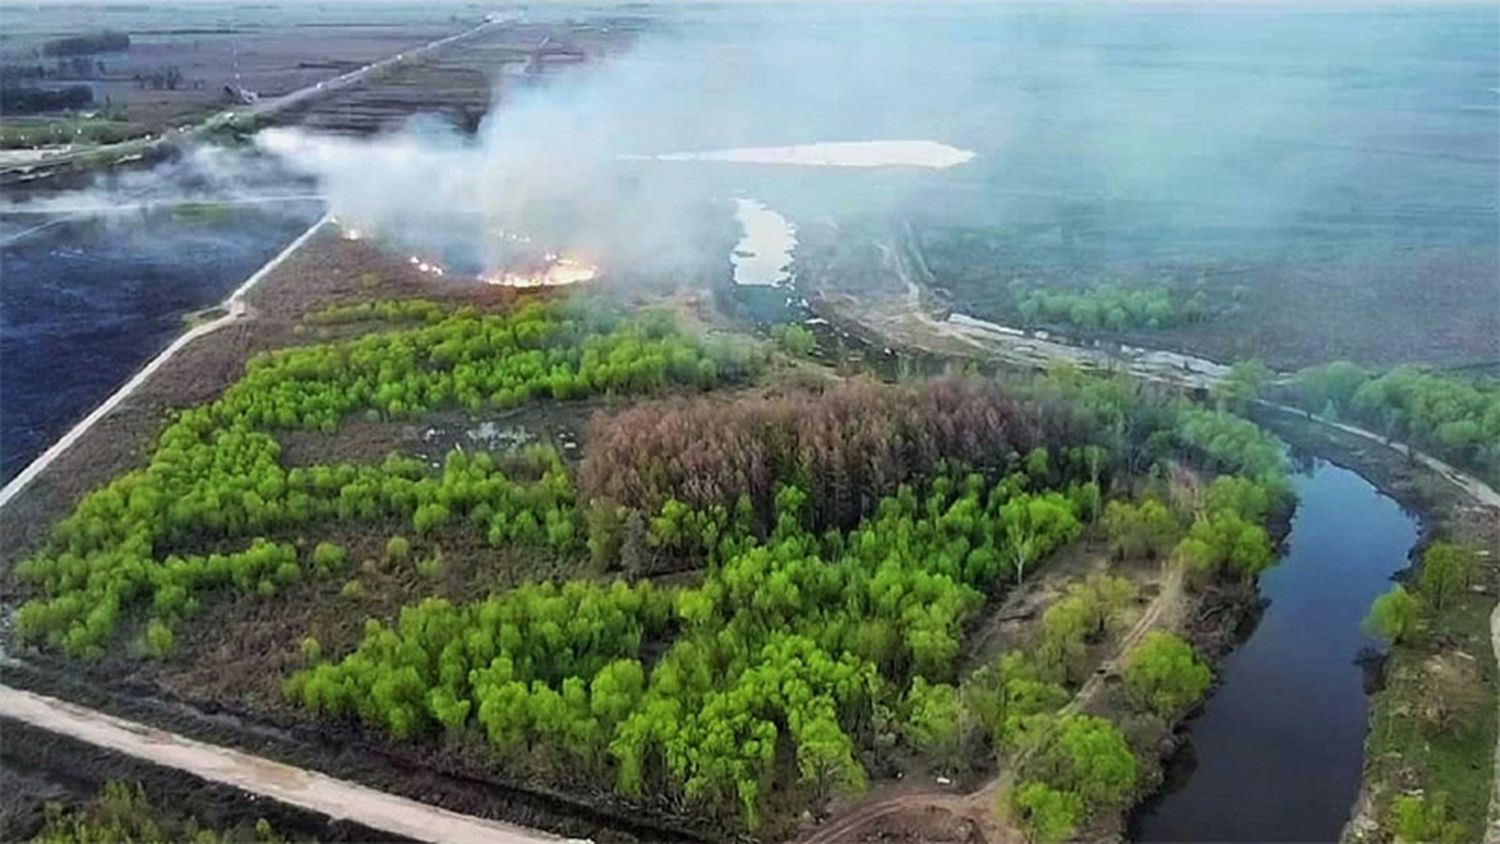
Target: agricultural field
column 149, row 69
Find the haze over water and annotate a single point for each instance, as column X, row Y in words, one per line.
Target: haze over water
column 1107, row 137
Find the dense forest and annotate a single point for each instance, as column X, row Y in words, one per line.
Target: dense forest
column 839, row 543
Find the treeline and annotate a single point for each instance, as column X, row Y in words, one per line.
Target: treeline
column 82, row 45
column 30, row 99
column 803, row 640
column 847, row 447
column 1452, row 417
column 1109, row 307
column 215, row 474
column 384, row 310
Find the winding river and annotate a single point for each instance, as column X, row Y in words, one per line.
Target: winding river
column 1276, row 754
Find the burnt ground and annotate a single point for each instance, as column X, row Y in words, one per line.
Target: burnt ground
column 1291, row 314
column 361, row 440
column 38, row 768
column 271, row 55
column 224, row 685
column 326, row 271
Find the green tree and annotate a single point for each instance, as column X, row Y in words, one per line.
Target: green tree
column 1394, row 616
column 397, row 548
column 1148, row 529
column 936, row 721
column 794, row 339
column 1446, row 571
column 825, row 759
column 329, row 556
column 160, row 640
column 1416, row 819
column 1048, row 815
column 1033, row 525
column 1089, row 756
column 1165, row 675
column 1241, row 385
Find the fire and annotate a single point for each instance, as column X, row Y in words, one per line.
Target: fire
column 348, row 232
column 559, row 272
column 431, row 268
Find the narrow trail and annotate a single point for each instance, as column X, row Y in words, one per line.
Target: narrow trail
column 912, row 323
column 235, row 309
column 305, row 789
column 978, row 805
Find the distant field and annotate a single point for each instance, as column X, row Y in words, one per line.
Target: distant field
column 269, row 49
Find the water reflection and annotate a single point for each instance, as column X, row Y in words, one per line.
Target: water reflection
column 1277, row 753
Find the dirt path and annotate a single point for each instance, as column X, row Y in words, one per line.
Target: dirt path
column 235, row 309
column 305, row 789
column 268, row 107
column 979, row 805
column 910, row 322
column 1475, row 488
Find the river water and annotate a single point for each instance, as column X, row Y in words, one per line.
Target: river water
column 1276, row 754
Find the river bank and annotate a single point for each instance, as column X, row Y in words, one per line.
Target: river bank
column 1458, row 660
column 329, row 269
column 1281, row 739
column 1447, row 503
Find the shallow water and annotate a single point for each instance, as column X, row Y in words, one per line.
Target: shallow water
column 929, row 154
column 1276, row 754
column 763, row 255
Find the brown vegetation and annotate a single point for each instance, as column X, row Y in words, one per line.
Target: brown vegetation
column 848, row 446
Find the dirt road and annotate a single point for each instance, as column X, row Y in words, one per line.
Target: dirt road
column 270, row 106
column 979, row 805
column 909, row 320
column 305, row 789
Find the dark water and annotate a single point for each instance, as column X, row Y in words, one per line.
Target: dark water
column 1276, row 755
column 85, row 304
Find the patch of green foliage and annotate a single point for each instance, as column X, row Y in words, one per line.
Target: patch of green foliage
column 1433, row 725
column 795, row 340
column 215, row 474
column 800, row 637
column 122, row 814
column 384, row 310
column 1108, row 307
column 1163, row 674
column 1455, row 418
